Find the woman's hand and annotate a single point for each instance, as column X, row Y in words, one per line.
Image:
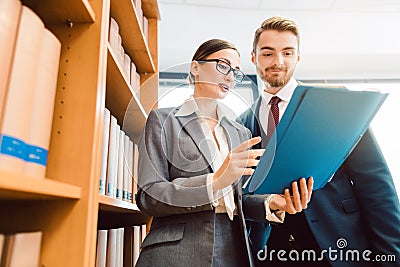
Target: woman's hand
column 297, row 201
column 237, row 163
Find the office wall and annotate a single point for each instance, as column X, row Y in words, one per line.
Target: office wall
column 337, row 44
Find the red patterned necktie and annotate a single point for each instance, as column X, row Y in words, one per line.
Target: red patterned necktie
column 273, row 117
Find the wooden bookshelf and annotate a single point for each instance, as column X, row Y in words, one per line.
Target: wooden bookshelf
column 21, row 187
column 66, row 205
column 120, row 95
column 115, row 213
column 61, row 11
column 133, row 39
column 150, row 8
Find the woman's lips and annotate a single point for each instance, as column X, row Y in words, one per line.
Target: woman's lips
column 224, row 86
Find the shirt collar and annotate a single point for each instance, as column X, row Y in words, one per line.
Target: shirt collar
column 285, row 94
column 190, row 106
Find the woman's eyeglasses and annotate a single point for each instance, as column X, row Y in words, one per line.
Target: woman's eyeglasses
column 225, row 68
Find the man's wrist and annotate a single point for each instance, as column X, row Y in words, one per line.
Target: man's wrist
column 273, row 215
column 271, row 206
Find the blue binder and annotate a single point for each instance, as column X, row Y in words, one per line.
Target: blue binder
column 317, row 132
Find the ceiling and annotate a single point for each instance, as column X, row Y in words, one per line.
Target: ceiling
column 340, row 39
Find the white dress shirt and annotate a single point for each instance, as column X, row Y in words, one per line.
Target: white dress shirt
column 222, row 200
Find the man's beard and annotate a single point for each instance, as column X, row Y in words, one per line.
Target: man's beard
column 280, row 82
column 275, row 81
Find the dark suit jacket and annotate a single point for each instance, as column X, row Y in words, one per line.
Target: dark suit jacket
column 172, row 149
column 359, row 204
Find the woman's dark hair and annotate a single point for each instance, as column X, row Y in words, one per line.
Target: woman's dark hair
column 210, row 47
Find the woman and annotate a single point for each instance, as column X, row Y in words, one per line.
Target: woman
column 191, row 160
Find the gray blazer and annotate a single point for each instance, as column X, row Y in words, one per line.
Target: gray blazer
column 174, row 162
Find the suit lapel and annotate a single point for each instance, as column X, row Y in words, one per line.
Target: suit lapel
column 257, row 125
column 192, row 126
column 232, row 134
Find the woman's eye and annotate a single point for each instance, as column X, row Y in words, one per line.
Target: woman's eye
column 223, row 66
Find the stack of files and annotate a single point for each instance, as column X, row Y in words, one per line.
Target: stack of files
column 119, row 164
column 21, row 249
column 29, row 64
column 317, row 132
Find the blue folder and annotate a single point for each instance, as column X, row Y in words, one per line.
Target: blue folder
column 317, row 132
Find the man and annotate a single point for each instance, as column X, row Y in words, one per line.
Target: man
column 355, row 213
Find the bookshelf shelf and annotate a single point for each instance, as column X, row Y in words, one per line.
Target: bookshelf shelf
column 115, row 205
column 115, row 213
column 133, row 39
column 60, row 11
column 16, row 186
column 120, row 96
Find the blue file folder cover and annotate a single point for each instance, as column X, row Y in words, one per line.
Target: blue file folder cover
column 317, row 132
